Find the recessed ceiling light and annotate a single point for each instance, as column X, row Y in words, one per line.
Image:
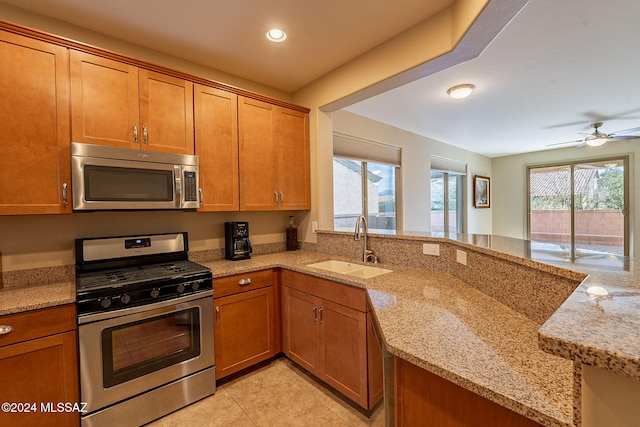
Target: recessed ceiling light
column 276, row 35
column 461, row 91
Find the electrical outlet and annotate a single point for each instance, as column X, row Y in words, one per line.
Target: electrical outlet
column 314, row 226
column 461, row 257
column 431, row 249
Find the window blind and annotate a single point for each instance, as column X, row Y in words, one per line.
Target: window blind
column 441, row 164
column 363, row 149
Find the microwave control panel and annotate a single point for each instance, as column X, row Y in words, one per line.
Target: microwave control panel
column 190, row 186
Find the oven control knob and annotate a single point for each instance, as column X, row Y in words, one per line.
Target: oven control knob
column 125, row 299
column 105, row 302
column 195, row 286
column 180, row 288
column 155, row 292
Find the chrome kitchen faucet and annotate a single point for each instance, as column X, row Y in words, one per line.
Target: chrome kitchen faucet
column 367, row 255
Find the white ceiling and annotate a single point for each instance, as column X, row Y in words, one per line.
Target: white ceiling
column 557, row 67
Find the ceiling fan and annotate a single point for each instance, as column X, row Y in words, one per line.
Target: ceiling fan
column 597, row 138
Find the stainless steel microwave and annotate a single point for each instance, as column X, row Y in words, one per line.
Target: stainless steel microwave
column 108, row 178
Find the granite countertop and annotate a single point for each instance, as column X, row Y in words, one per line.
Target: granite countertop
column 598, row 323
column 24, row 298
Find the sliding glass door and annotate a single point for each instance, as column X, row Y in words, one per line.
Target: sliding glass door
column 579, row 209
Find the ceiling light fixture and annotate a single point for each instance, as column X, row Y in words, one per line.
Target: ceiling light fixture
column 461, row 91
column 276, row 35
column 610, row 165
column 595, row 140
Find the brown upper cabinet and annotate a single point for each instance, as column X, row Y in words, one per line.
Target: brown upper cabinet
column 117, row 104
column 253, row 150
column 216, row 128
column 35, row 166
column 274, row 157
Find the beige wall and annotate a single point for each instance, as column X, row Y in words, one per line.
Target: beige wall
column 510, row 186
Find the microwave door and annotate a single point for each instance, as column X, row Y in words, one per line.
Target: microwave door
column 108, row 184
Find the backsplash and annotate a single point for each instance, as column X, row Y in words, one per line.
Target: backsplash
column 531, row 288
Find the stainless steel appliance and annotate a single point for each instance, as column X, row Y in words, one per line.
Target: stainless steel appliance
column 145, row 316
column 108, row 178
column 236, row 241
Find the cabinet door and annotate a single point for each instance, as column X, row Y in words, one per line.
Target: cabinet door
column 104, row 101
column 302, row 331
column 258, row 156
column 216, row 128
column 34, row 122
column 292, row 132
column 40, row 371
column 343, row 347
column 244, row 330
column 166, row 113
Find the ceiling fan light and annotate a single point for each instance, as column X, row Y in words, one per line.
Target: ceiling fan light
column 460, row 91
column 595, row 141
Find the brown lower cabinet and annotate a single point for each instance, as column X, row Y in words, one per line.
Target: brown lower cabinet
column 246, row 329
column 425, row 399
column 38, row 368
column 326, row 330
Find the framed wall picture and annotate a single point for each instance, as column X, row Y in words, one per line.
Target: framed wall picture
column 481, row 191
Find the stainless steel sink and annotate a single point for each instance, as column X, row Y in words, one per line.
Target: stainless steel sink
column 354, row 270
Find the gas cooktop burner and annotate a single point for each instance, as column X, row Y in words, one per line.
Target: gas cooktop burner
column 143, row 273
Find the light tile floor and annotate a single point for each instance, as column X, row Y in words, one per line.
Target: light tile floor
column 277, row 395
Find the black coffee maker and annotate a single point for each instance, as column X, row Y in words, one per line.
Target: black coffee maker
column 236, row 241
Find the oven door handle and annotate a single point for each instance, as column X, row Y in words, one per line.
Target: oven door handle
column 156, row 307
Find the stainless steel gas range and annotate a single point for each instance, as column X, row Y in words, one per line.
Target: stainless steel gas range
column 145, row 316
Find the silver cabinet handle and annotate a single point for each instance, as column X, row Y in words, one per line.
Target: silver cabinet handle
column 5, row 329
column 201, row 194
column 320, row 314
column 315, row 313
column 217, row 315
column 135, row 132
column 145, row 134
column 244, row 282
column 276, row 193
column 281, row 198
column 65, row 198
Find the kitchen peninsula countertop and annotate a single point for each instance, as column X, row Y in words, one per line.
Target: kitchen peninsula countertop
column 598, row 323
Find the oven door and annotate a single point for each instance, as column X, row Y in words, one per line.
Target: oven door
column 127, row 352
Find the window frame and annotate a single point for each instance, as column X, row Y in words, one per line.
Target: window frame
column 364, row 209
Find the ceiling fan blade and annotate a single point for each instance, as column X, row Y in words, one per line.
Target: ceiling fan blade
column 566, row 142
column 621, row 137
column 632, row 130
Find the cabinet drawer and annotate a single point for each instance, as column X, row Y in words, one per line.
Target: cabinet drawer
column 38, row 323
column 340, row 293
column 242, row 282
